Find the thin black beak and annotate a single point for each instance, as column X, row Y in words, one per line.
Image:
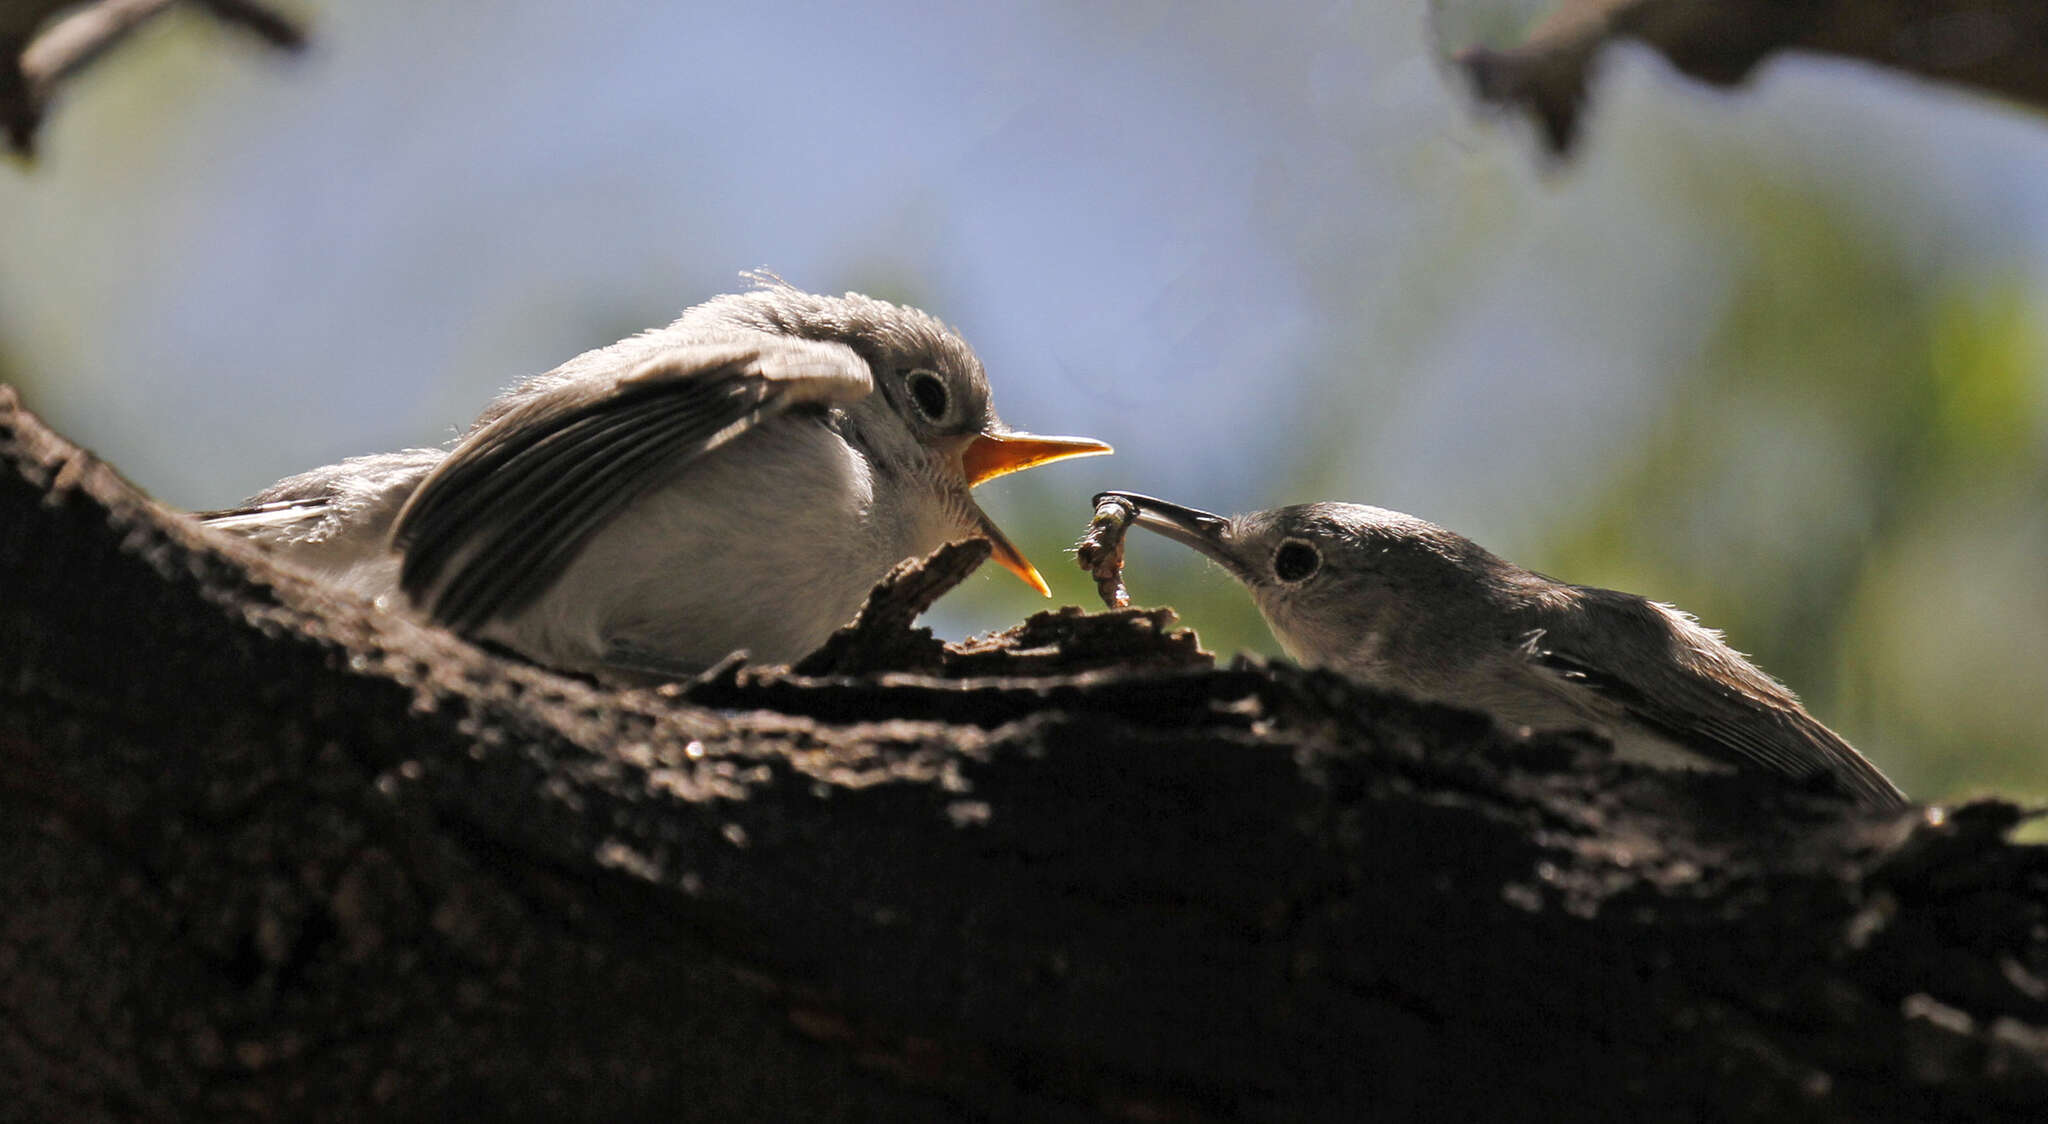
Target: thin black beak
column 1206, row 533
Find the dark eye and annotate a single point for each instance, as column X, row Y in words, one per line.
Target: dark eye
column 1296, row 561
column 928, row 393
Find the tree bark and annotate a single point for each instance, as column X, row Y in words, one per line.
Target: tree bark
column 269, row 853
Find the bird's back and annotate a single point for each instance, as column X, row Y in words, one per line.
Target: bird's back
column 1662, row 671
column 335, row 521
column 769, row 546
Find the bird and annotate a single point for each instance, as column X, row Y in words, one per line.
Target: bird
column 736, row 481
column 1402, row 604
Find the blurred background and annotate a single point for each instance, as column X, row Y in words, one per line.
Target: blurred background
column 1779, row 356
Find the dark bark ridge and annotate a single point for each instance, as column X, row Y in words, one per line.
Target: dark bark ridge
column 268, row 852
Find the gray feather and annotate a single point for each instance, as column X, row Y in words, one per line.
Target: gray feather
column 500, row 519
column 1682, row 681
column 495, row 524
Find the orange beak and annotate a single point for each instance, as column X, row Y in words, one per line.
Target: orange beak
column 991, row 455
column 1011, row 558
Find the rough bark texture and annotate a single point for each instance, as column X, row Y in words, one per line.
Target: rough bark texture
column 1998, row 46
column 267, row 853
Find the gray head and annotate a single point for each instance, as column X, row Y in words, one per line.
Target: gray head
column 1335, row 580
column 925, row 374
column 931, row 408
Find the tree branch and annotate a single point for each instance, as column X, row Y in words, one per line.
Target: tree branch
column 39, row 53
column 266, row 851
column 1998, row 46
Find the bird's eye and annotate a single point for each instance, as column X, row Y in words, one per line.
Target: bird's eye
column 1296, row 561
column 928, row 393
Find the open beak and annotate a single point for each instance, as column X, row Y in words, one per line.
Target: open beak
column 1011, row 558
column 991, row 455
column 1206, row 533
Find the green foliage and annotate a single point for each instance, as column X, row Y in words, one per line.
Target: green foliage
column 1497, row 24
column 1850, row 483
column 1043, row 512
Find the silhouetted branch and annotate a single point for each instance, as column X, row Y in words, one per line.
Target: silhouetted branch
column 38, row 54
column 1998, row 46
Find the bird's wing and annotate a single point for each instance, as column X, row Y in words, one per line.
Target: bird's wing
column 324, row 502
column 252, row 517
column 1679, row 680
column 506, row 512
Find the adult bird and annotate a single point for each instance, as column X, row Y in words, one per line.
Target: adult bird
column 739, row 479
column 1406, row 605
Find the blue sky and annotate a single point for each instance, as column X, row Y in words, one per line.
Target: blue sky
column 1198, row 232
column 1271, row 253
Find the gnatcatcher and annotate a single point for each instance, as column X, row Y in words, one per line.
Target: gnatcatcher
column 737, row 480
column 1407, row 605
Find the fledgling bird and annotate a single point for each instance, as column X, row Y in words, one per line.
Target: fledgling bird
column 1404, row 604
column 737, row 480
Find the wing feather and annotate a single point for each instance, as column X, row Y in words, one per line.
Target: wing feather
column 1678, row 679
column 506, row 513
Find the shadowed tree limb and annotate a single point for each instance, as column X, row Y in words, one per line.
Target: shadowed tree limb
column 1997, row 46
column 265, row 851
column 45, row 43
